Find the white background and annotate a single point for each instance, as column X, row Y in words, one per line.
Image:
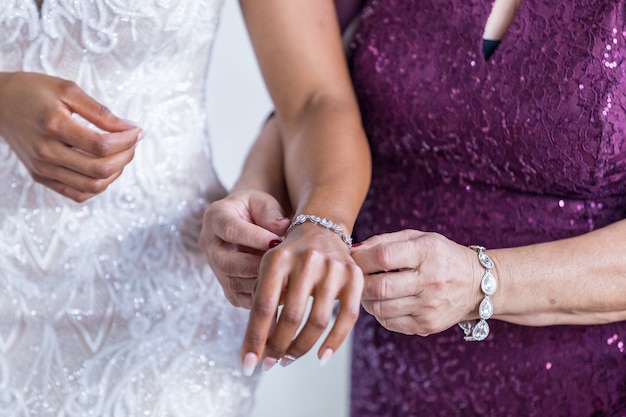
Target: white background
column 238, row 104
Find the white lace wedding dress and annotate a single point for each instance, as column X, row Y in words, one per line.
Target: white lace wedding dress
column 107, row 308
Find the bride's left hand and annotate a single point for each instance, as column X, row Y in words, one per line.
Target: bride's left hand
column 418, row 283
column 310, row 262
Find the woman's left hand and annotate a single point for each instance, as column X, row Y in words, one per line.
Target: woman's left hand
column 310, row 262
column 419, row 283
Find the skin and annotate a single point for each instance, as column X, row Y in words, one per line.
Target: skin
column 325, row 158
column 59, row 152
column 435, row 282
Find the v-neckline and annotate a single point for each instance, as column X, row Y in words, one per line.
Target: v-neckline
column 39, row 5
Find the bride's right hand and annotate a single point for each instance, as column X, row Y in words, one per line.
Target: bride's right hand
column 58, row 151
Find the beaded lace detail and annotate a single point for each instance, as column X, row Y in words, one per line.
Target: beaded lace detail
column 107, row 308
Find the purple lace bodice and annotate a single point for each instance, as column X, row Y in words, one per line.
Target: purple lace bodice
column 527, row 147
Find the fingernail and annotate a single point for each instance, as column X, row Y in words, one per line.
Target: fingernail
column 268, row 363
column 356, row 245
column 141, row 135
column 249, row 363
column 287, row 360
column 274, row 243
column 328, row 353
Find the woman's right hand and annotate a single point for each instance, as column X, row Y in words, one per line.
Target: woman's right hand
column 58, row 151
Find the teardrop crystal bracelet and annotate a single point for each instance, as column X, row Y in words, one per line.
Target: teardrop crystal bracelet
column 478, row 331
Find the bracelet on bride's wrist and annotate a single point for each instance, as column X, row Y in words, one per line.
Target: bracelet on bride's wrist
column 479, row 330
column 320, row 221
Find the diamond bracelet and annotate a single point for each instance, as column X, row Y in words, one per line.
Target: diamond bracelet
column 325, row 223
column 477, row 331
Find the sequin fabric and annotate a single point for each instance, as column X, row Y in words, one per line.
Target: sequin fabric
column 107, row 308
column 527, row 147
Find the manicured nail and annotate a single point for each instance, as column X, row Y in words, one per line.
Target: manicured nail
column 268, row 363
column 141, row 135
column 287, row 360
column 249, row 363
column 328, row 353
column 274, row 243
column 356, row 245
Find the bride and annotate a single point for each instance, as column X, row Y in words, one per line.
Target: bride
column 107, row 304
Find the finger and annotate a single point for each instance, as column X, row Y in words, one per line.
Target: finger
column 75, row 135
column 391, row 285
column 268, row 214
column 241, row 300
column 387, row 256
column 266, row 297
column 399, row 236
column 291, row 317
column 234, row 229
column 391, row 309
column 317, row 322
column 107, row 171
column 63, row 189
column 239, row 285
column 89, row 166
column 349, row 308
column 84, row 105
column 226, row 260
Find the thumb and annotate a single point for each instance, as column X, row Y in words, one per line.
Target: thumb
column 94, row 112
column 267, row 213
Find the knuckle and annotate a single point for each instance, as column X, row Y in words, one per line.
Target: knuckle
column 319, row 321
column 220, row 264
column 96, row 186
column 68, row 88
column 101, row 148
column 351, row 311
column 234, row 285
column 38, row 167
column 383, row 256
column 104, row 169
column 256, row 339
column 42, row 151
column 291, row 317
column 264, row 308
column 104, row 111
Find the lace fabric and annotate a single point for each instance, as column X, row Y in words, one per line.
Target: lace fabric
column 524, row 148
column 107, row 308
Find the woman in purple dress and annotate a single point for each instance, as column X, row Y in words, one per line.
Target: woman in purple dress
column 524, row 148
column 524, row 154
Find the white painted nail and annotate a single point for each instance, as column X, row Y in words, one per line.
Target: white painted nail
column 249, row 363
column 328, row 353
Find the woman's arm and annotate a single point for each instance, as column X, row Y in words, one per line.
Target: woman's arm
column 581, row 280
column 435, row 283
column 327, row 171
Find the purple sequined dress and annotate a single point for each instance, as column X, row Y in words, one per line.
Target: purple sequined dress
column 527, row 147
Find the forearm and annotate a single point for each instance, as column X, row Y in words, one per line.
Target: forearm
column 263, row 169
column 327, row 163
column 573, row 281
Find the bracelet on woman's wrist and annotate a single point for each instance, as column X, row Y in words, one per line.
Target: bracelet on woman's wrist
column 478, row 331
column 320, row 221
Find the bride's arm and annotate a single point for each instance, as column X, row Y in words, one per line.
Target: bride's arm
column 327, row 171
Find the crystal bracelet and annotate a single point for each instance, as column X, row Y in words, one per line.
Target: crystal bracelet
column 477, row 331
column 325, row 223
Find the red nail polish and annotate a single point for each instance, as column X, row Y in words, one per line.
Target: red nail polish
column 356, row 245
column 274, row 243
